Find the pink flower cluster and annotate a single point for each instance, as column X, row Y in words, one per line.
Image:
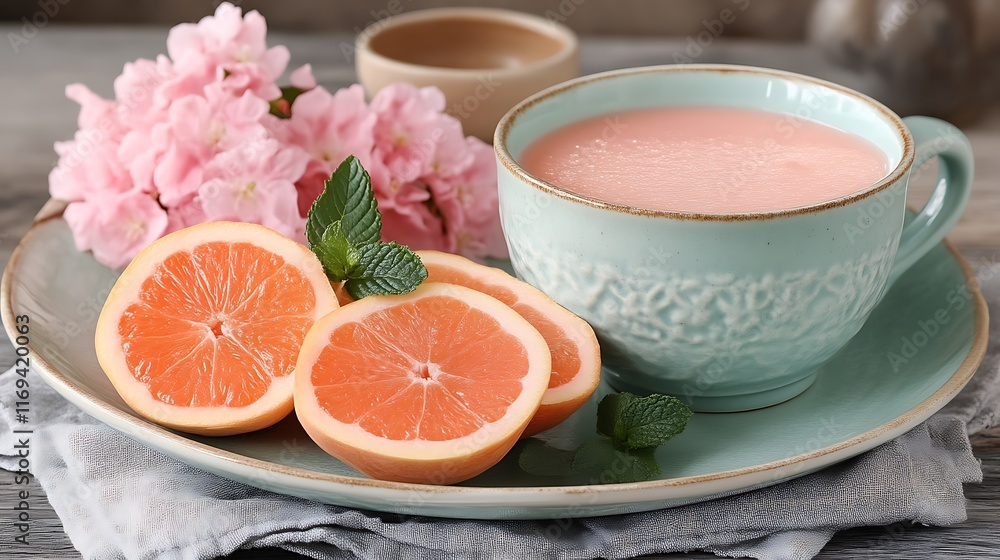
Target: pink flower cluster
column 205, row 134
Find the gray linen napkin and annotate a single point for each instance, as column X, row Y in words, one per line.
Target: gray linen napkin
column 120, row 499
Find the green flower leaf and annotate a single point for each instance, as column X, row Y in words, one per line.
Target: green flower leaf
column 281, row 107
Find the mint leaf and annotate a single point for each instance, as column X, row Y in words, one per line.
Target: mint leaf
column 348, row 198
column 385, row 268
column 635, row 422
column 339, row 259
column 540, row 459
column 603, row 463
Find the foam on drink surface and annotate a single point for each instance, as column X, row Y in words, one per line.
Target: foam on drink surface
column 712, row 160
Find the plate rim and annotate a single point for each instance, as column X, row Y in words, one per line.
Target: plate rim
column 877, row 435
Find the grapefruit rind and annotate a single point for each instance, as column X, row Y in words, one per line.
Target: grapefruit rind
column 561, row 401
column 275, row 403
column 415, row 460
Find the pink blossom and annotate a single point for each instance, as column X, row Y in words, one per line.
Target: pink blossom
column 475, row 186
column 185, row 214
column 451, row 155
column 419, row 230
column 201, row 127
column 235, row 45
column 256, row 183
column 96, row 113
column 380, row 176
column 190, row 138
column 227, row 35
column 407, row 129
column 139, row 92
column 256, row 77
column 82, row 220
column 88, row 167
column 179, row 172
column 192, row 81
column 329, row 128
column 218, row 120
column 141, row 151
column 469, row 204
column 302, row 77
column 412, row 216
column 118, row 227
column 308, row 188
column 408, row 199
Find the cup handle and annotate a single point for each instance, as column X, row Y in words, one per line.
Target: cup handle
column 934, row 137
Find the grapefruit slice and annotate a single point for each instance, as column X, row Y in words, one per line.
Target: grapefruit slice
column 201, row 331
column 576, row 356
column 431, row 387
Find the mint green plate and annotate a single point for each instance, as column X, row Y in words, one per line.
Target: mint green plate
column 918, row 349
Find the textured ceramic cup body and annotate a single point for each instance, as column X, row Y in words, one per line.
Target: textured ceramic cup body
column 736, row 311
column 484, row 60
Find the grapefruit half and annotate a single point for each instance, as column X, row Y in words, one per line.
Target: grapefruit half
column 432, row 387
column 201, row 331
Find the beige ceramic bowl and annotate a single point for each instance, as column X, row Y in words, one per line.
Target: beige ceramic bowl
column 484, row 60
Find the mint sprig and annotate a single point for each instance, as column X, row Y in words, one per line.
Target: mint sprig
column 343, row 230
column 634, row 422
column 635, row 426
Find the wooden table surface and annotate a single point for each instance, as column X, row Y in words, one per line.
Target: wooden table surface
column 34, row 113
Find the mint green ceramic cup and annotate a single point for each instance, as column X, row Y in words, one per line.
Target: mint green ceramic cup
column 735, row 311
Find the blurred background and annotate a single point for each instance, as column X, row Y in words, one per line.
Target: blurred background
column 783, row 19
column 936, row 57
